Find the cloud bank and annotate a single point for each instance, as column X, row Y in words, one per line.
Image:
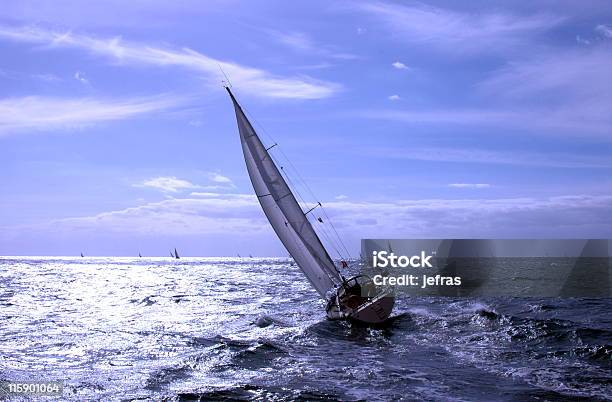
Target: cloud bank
column 216, row 213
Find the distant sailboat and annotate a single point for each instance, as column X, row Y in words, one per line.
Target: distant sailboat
column 171, row 254
column 82, row 254
column 344, row 297
column 250, row 256
column 176, row 254
column 139, row 256
column 238, row 254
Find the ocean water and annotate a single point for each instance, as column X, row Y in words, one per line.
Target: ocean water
column 253, row 329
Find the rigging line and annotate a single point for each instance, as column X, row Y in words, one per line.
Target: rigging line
column 290, row 227
column 290, row 182
column 331, row 241
column 301, row 249
column 334, row 228
column 327, row 236
column 303, row 182
column 322, row 229
column 229, row 84
column 317, row 200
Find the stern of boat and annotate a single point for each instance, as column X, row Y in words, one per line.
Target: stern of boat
column 372, row 306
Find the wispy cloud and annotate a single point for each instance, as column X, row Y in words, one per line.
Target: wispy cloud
column 604, row 30
column 469, row 185
column 47, row 113
column 559, row 121
column 582, row 40
column 295, row 40
column 301, row 42
column 394, row 97
column 47, row 77
column 172, row 184
column 455, row 31
column 220, row 182
column 79, row 76
column 169, row 184
column 566, row 73
column 219, row 178
column 557, row 92
column 399, row 65
column 250, row 80
column 471, row 155
column 574, row 85
column 439, row 116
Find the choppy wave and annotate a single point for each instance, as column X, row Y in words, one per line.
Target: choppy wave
column 253, row 329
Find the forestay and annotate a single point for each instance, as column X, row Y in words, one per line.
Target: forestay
column 283, row 211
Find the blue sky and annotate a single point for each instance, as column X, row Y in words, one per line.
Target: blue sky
column 407, row 119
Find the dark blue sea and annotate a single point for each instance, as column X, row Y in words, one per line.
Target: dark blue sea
column 253, row 329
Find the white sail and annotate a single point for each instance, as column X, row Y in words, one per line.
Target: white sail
column 283, row 211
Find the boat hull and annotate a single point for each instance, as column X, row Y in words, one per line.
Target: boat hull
column 374, row 311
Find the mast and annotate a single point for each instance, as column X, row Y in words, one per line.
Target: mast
column 282, row 209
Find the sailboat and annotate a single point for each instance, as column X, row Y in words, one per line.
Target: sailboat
column 82, row 254
column 176, row 254
column 139, row 256
column 355, row 299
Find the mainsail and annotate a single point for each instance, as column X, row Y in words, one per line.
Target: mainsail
column 283, row 211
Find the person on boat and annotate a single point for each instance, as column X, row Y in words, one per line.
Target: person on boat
column 352, row 293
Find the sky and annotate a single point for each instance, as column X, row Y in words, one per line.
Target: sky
column 443, row 119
